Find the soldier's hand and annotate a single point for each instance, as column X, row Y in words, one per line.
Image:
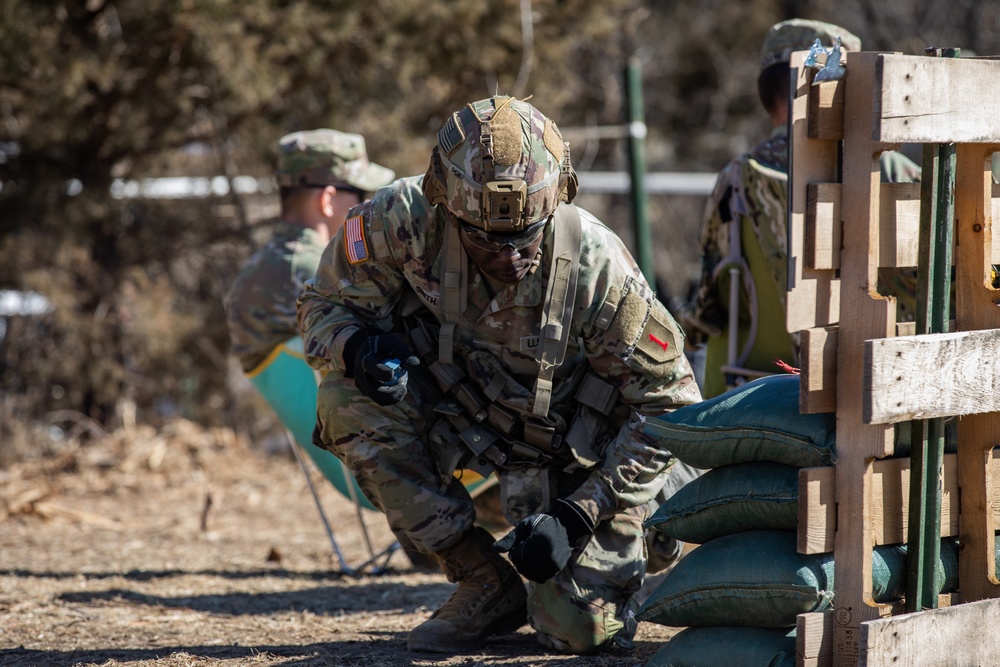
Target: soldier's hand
column 541, row 545
column 378, row 363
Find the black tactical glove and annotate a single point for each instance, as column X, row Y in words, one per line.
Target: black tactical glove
column 541, row 545
column 378, row 361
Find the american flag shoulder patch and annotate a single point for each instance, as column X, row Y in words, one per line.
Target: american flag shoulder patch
column 355, row 244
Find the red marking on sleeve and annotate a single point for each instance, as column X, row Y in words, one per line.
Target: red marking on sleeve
column 659, row 342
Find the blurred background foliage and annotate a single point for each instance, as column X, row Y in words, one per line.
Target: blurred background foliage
column 97, row 93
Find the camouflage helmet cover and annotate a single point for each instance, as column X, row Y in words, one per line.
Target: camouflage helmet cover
column 786, row 37
column 500, row 165
column 328, row 157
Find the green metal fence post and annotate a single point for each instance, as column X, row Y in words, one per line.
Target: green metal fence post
column 637, row 170
column 937, row 214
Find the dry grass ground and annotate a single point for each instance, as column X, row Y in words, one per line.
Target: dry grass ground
column 188, row 547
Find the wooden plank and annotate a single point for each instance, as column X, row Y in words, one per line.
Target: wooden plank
column 961, row 635
column 975, row 309
column 814, row 639
column 890, row 503
column 891, row 495
column 995, row 213
column 931, row 375
column 899, row 215
column 826, row 110
column 818, row 370
column 899, row 219
column 818, row 366
column 817, row 517
column 869, row 316
column 822, row 240
column 918, row 102
column 813, row 297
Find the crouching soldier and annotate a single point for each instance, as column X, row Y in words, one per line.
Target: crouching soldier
column 474, row 318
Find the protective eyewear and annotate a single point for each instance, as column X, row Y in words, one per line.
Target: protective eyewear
column 497, row 242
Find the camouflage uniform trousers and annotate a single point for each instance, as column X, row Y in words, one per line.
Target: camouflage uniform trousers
column 582, row 609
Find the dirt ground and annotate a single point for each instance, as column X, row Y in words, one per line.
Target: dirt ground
column 187, row 547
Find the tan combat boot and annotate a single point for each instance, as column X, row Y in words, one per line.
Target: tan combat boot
column 490, row 599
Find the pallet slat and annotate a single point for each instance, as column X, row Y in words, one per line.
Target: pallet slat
column 869, row 316
column 813, row 297
column 899, row 219
column 814, row 639
column 825, row 112
column 917, row 101
column 964, row 634
column 890, row 496
column 931, row 375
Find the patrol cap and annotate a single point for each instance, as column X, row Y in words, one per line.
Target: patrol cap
column 787, row 37
column 328, row 157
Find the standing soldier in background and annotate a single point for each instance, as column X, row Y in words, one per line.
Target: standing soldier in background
column 321, row 174
column 745, row 231
column 475, row 318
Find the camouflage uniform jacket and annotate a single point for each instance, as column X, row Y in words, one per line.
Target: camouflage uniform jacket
column 753, row 188
column 260, row 305
column 398, row 243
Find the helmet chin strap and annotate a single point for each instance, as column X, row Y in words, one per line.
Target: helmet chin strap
column 454, row 292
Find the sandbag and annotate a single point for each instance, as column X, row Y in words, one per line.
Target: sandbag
column 759, row 495
column 757, row 578
column 760, row 421
column 889, row 570
column 717, row 646
column 757, row 421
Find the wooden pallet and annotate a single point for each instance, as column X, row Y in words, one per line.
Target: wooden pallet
column 857, row 362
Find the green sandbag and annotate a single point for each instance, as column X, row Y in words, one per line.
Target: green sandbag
column 717, row 646
column 757, row 421
column 889, row 570
column 759, row 495
column 760, row 421
column 758, row 578
column 755, row 578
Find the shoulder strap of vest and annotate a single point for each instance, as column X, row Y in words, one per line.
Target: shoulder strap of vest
column 454, row 291
column 560, row 298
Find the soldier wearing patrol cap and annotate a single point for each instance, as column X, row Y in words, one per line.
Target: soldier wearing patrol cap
column 474, row 318
column 744, row 230
column 322, row 174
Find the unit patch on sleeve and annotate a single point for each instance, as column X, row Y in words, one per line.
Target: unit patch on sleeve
column 355, row 244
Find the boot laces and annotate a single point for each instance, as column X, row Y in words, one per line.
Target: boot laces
column 472, row 593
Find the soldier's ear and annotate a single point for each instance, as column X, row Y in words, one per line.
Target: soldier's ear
column 326, row 199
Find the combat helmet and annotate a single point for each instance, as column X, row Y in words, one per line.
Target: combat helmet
column 501, row 166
